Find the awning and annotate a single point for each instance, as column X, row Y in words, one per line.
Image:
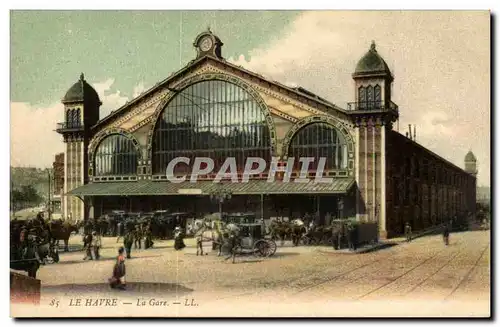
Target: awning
column 337, row 186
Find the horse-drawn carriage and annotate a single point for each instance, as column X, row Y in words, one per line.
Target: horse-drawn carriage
column 252, row 241
column 239, row 218
column 242, row 235
column 28, row 255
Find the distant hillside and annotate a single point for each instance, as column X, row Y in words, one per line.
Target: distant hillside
column 37, row 177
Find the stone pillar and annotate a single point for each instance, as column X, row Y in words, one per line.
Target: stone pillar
column 370, row 172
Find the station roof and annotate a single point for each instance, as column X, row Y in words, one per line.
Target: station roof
column 137, row 188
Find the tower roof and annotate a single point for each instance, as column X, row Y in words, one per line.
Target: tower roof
column 81, row 91
column 372, row 63
column 470, row 156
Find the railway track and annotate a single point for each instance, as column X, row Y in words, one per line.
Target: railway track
column 332, row 278
column 469, row 272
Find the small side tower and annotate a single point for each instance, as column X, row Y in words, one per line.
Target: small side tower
column 373, row 81
column 81, row 112
column 373, row 114
column 471, row 163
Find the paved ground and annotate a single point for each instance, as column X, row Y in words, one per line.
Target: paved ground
column 422, row 278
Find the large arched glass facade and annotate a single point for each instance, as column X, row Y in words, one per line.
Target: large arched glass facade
column 318, row 140
column 215, row 119
column 116, row 155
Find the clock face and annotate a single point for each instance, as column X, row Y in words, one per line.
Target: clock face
column 206, row 43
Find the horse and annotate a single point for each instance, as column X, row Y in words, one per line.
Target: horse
column 228, row 236
column 298, row 229
column 280, row 230
column 62, row 232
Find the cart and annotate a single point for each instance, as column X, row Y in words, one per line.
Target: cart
column 251, row 241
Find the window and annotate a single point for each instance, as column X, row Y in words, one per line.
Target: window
column 319, row 140
column 116, row 155
column 73, row 118
column 369, row 97
column 362, row 97
column 215, row 119
column 378, row 96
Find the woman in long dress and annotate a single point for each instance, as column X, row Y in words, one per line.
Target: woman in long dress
column 118, row 278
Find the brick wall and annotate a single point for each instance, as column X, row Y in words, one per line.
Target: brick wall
column 422, row 188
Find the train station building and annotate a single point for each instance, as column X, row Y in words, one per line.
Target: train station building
column 212, row 108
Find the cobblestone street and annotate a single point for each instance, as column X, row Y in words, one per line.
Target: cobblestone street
column 296, row 281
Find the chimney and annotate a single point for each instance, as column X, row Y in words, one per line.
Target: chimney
column 409, row 129
column 415, row 132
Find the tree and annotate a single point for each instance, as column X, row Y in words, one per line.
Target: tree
column 26, row 196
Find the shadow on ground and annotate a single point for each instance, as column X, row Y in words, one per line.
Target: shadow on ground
column 68, row 262
column 138, row 288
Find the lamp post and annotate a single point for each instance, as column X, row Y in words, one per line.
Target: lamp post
column 220, row 196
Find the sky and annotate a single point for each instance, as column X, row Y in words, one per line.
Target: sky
column 440, row 61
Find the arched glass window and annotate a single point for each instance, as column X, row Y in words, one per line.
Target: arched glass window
column 369, row 97
column 319, row 140
column 116, row 155
column 77, row 118
column 215, row 119
column 362, row 97
column 69, row 117
column 377, row 96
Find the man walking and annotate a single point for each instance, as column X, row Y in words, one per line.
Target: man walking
column 128, row 240
column 446, row 234
column 408, row 232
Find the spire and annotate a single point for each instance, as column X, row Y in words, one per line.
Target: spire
column 372, row 47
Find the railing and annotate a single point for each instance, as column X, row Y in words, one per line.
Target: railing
column 372, row 105
column 69, row 125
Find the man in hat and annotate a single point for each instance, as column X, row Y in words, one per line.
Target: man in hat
column 148, row 242
column 137, row 236
column 408, row 235
column 179, row 239
column 128, row 240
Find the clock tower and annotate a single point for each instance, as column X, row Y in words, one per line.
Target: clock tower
column 208, row 44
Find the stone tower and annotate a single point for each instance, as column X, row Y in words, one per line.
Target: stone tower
column 471, row 163
column 81, row 112
column 373, row 113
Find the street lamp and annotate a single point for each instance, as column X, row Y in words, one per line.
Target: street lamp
column 220, row 196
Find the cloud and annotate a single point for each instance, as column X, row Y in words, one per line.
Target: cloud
column 33, row 139
column 110, row 100
column 138, row 90
column 440, row 61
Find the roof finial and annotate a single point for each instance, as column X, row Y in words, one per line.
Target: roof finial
column 372, row 47
column 82, row 77
column 208, row 29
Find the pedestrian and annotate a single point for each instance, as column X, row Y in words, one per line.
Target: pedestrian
column 87, row 246
column 95, row 246
column 446, row 234
column 137, row 236
column 119, row 228
column 117, row 280
column 128, row 240
column 351, row 236
column 179, row 239
column 148, row 242
column 408, row 234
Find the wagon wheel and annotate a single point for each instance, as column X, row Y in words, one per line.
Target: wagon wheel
column 261, row 248
column 272, row 247
column 305, row 240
